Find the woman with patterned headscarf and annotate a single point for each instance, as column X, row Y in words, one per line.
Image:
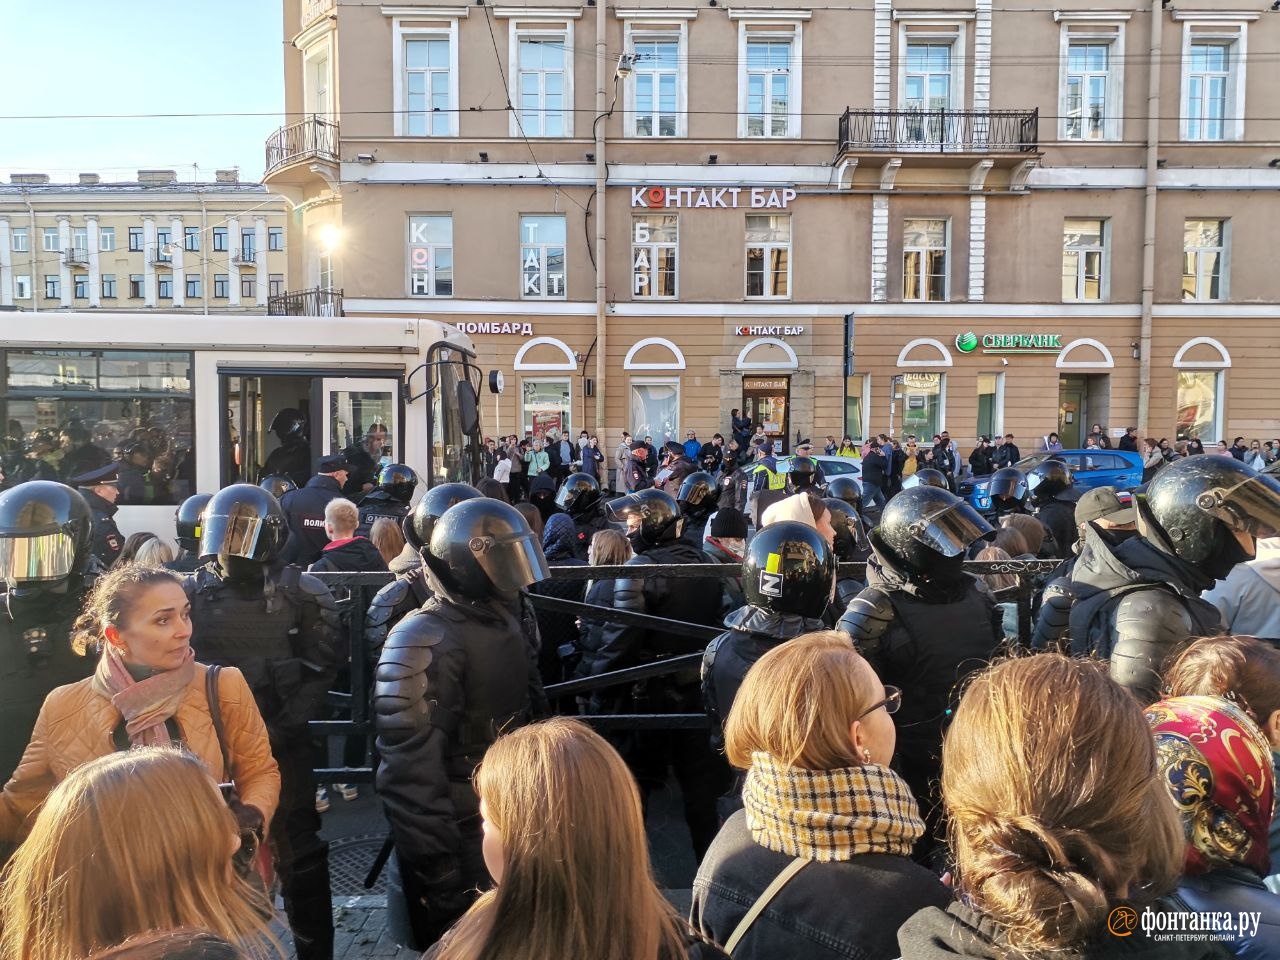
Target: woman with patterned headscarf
column 1216, row 764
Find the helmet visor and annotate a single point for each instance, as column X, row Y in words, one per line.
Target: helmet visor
column 49, row 556
column 566, row 496
column 510, row 563
column 950, row 531
column 1251, row 507
column 622, row 509
column 235, row 534
column 1012, row 488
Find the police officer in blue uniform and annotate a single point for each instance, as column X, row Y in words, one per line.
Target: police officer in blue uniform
column 101, row 489
column 305, row 509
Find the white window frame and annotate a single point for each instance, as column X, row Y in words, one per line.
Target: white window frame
column 652, row 382
column 923, row 251
column 754, row 26
column 49, row 242
column 431, row 269
column 1219, row 393
column 924, row 29
column 1104, row 285
column 534, row 24
column 1108, row 29
column 20, row 240
column 566, row 422
column 651, row 247
column 1224, row 262
column 22, row 287
column 431, row 24
column 670, row 27
column 1232, row 30
column 540, row 249
column 790, row 247
column 322, row 50
column 106, row 239
column 80, row 240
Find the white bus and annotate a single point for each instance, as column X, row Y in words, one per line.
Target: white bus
column 196, row 396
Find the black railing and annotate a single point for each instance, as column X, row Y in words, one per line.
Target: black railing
column 316, row 302
column 309, row 137
column 940, row 131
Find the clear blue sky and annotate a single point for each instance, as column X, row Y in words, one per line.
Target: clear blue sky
column 139, row 57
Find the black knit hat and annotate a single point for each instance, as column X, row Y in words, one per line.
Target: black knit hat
column 730, row 523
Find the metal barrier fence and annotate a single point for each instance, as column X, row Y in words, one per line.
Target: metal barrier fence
column 356, row 592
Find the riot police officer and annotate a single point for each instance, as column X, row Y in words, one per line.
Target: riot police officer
column 279, row 626
column 277, row 485
column 923, row 623
column 446, row 684
column 851, row 546
column 293, row 457
column 1050, row 484
column 1133, row 600
column 654, row 525
column 390, row 498
column 100, row 489
column 787, row 576
column 926, row 477
column 845, row 488
column 186, row 522
column 697, row 500
column 580, row 498
column 1008, row 491
column 48, row 566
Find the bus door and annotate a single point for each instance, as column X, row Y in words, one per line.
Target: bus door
column 362, row 411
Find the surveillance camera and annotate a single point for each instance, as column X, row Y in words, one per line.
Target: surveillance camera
column 626, row 66
column 1005, row 361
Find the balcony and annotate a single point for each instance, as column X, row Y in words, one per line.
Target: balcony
column 76, row 256
column 316, row 302
column 310, row 139
column 933, row 133
column 246, row 257
column 160, row 253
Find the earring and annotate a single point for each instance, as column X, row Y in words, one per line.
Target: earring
column 866, row 756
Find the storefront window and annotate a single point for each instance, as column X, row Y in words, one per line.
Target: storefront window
column 655, row 409
column 854, row 415
column 990, row 403
column 1199, row 410
column 922, row 398
column 546, row 406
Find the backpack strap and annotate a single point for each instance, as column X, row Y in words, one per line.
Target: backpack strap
column 215, row 714
column 757, row 908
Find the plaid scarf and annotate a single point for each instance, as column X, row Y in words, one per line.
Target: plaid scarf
column 828, row 815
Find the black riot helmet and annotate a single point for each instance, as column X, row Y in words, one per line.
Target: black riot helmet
column 399, row 481
column 289, row 424
column 847, row 489
column 849, row 535
column 924, row 526
column 187, row 521
column 1048, row 479
column 277, row 485
column 1008, row 483
column 803, row 472
column 697, row 494
column 46, row 529
column 928, row 477
column 789, row 569
column 1194, row 507
column 244, row 521
column 579, row 495
column 651, row 516
column 419, row 525
column 481, row 548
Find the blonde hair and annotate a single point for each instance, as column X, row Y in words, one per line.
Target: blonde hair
column 576, row 880
column 128, row 843
column 609, row 548
column 1055, row 815
column 1032, row 530
column 386, row 535
column 996, row 581
column 155, row 553
column 111, row 600
column 342, row 515
column 798, row 702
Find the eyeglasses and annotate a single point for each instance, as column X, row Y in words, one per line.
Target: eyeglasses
column 892, row 702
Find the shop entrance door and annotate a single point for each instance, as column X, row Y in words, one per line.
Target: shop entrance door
column 1083, row 400
column 767, row 401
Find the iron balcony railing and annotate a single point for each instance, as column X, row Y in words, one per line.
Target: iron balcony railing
column 316, row 302
column 245, row 256
column 940, row 131
column 309, row 137
column 75, row 255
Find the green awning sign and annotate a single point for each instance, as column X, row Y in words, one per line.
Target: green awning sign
column 969, row 341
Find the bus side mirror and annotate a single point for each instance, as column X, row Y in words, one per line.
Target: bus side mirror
column 468, row 409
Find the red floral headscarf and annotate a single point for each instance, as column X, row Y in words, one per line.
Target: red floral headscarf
column 1217, row 765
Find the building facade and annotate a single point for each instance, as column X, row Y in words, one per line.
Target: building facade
column 901, row 216
column 155, row 244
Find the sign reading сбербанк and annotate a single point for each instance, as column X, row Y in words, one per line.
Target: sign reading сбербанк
column 969, row 341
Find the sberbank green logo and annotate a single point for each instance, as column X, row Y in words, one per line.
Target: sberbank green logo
column 967, row 342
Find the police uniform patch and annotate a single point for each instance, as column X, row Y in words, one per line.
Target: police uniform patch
column 770, row 584
column 113, row 541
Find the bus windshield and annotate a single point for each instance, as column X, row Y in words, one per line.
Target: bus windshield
column 455, row 419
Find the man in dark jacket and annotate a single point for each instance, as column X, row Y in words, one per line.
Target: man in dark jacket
column 347, row 552
column 711, row 454
column 305, row 509
column 982, row 460
column 676, row 465
column 100, row 490
column 875, row 476
column 637, row 476
column 1130, row 440
column 558, row 630
column 293, row 457
column 1007, row 454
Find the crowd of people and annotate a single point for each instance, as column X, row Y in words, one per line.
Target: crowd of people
column 889, row 768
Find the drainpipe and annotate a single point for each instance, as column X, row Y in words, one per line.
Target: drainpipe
column 1149, row 218
column 31, row 249
column 602, row 174
column 206, row 242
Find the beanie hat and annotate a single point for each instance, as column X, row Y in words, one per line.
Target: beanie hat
column 729, row 522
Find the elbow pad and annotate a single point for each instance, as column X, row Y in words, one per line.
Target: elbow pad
column 1055, row 615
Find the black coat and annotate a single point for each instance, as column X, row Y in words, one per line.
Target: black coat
column 558, row 630
column 357, row 555
column 108, row 541
column 305, row 509
column 1007, row 454
column 875, row 469
column 982, row 461
column 591, row 636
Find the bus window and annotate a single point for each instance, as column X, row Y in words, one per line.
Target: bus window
column 454, row 451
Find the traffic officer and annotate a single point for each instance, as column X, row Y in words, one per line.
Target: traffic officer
column 293, row 457
column 1051, row 483
column 279, row 626
column 768, row 483
column 100, row 489
column 277, row 485
column 637, row 475
column 187, row 525
column 804, row 450
column 580, row 498
column 46, row 560
column 305, row 509
column 390, row 498
column 445, row 686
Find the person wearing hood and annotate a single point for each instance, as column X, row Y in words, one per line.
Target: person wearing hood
column 580, row 499
column 1061, row 834
column 558, row 630
column 346, row 552
column 725, row 541
column 542, row 494
column 924, row 624
column 1249, row 596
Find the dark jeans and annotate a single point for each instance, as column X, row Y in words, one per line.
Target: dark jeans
column 872, row 495
column 301, row 857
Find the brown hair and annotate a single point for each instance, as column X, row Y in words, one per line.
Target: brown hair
column 111, row 599
column 532, row 516
column 610, row 548
column 1011, row 541
column 173, row 945
column 1032, row 530
column 798, row 702
column 996, row 581
column 1055, row 816
column 132, row 543
column 576, row 880
column 385, row 534
column 1243, row 669
column 127, row 843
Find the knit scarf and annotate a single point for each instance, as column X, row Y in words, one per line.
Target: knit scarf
column 144, row 704
column 827, row 815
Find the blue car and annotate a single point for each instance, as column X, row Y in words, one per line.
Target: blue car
column 1091, row 468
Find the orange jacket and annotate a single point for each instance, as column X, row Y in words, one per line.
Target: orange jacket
column 76, row 725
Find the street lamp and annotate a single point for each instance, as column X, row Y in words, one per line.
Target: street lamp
column 330, row 237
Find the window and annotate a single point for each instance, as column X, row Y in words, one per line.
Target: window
column 109, row 286
column 924, row 260
column 50, row 238
column 220, row 239
column 165, row 283
column 428, row 88
column 927, row 89
column 854, row 407
column 542, row 246
column 248, row 242
column 1204, row 250
column 655, row 409
column 768, row 255
column 1212, row 82
column 111, row 394
column 22, row 287
column 52, row 286
column 431, row 256
column 191, row 239
column 221, row 286
column 1084, row 260
column 248, row 286
column 80, row 240
column 1199, row 404
column 193, row 285
column 546, row 405
column 162, row 242
column 923, row 398
column 769, row 94
column 19, row 240
column 990, row 404
column 542, row 85
column 275, row 285
column 324, row 271
column 275, row 238
column 107, row 239
column 137, row 286
column 654, row 242
column 1091, row 103
column 135, row 239
column 656, row 86
column 81, row 281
